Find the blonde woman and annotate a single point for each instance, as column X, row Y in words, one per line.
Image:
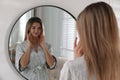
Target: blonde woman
column 33, row 55
column 97, row 55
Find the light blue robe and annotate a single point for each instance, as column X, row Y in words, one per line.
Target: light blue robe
column 36, row 69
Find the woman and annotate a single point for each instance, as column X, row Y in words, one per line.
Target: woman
column 33, row 54
column 97, row 53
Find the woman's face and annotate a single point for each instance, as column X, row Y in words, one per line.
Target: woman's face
column 35, row 29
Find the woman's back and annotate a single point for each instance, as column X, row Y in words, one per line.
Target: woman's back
column 99, row 37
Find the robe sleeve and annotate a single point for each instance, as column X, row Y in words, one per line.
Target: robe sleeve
column 55, row 60
column 19, row 53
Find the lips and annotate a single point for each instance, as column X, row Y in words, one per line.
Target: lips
column 36, row 33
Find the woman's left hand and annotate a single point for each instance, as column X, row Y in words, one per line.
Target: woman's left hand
column 78, row 50
column 42, row 40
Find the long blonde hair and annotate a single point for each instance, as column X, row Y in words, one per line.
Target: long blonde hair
column 99, row 36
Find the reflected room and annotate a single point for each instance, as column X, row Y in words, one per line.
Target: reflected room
column 59, row 30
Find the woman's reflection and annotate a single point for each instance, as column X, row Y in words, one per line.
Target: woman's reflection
column 33, row 55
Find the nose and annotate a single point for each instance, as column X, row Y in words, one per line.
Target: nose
column 36, row 30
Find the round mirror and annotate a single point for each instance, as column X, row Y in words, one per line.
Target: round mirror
column 59, row 31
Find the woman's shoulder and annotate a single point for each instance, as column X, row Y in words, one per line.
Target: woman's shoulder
column 76, row 63
column 77, row 68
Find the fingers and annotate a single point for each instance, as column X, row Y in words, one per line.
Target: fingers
column 42, row 33
column 42, row 37
column 78, row 50
column 42, row 40
column 29, row 37
column 75, row 42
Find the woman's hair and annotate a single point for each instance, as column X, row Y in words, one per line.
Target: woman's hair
column 29, row 25
column 99, row 36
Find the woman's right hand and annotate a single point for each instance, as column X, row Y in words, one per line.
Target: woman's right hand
column 29, row 38
column 24, row 61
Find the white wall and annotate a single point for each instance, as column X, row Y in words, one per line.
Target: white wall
column 10, row 10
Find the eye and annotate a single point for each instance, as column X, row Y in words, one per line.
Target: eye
column 39, row 27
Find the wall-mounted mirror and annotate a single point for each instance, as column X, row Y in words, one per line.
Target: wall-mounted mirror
column 59, row 32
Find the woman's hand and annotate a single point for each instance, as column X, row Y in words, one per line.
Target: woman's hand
column 42, row 40
column 49, row 58
column 29, row 38
column 24, row 61
column 78, row 50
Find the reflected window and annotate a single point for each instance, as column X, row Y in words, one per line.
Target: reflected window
column 18, row 33
column 68, row 36
column 23, row 21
